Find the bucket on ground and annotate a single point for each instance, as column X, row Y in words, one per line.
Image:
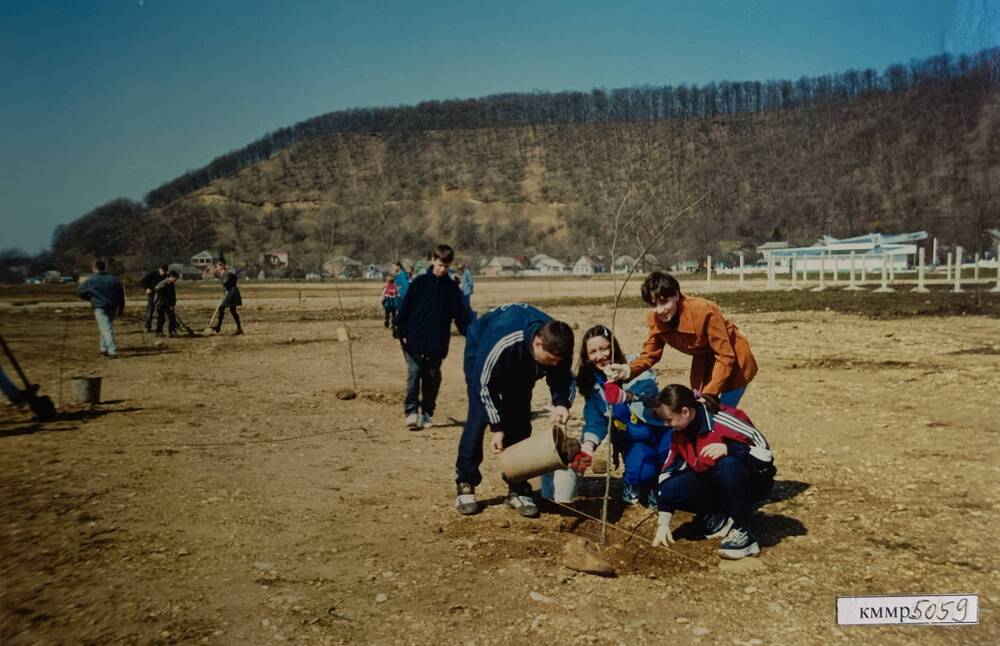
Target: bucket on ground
column 538, row 454
column 560, row 485
column 87, row 390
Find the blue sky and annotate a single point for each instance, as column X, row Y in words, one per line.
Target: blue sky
column 106, row 98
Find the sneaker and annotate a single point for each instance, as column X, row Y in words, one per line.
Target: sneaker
column 714, row 525
column 738, row 543
column 426, row 421
column 522, row 503
column 239, row 332
column 413, row 422
column 630, row 494
column 653, row 499
column 465, row 502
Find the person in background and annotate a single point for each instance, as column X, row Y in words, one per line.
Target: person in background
column 231, row 299
column 467, row 286
column 166, row 300
column 150, row 281
column 107, row 298
column 390, row 294
column 402, row 281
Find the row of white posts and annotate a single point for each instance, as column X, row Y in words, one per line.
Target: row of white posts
column 887, row 273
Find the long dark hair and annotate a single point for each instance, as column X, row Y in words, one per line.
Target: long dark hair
column 586, row 372
column 675, row 397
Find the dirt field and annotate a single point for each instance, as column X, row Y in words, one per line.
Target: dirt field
column 222, row 494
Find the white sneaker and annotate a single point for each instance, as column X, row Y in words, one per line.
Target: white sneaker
column 426, row 421
column 413, row 421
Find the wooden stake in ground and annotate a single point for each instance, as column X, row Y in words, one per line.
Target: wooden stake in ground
column 347, row 333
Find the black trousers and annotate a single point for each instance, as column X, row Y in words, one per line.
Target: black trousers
column 222, row 315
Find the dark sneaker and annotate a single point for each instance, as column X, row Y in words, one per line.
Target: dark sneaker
column 738, row 543
column 465, row 502
column 519, row 499
column 714, row 525
column 239, row 333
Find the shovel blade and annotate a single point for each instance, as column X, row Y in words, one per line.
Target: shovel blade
column 42, row 407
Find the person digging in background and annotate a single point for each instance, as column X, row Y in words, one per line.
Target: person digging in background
column 423, row 326
column 107, row 298
column 506, row 352
column 231, row 299
column 719, row 466
column 166, row 301
column 149, row 283
column 722, row 364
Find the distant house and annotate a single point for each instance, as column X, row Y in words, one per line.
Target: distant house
column 548, row 265
column 274, row 259
column 501, row 266
column 202, row 259
column 624, row 264
column 342, row 267
column 587, row 267
column 379, row 272
column 767, row 250
column 686, row 267
column 650, row 262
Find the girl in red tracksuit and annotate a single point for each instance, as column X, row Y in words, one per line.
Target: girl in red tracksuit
column 718, row 466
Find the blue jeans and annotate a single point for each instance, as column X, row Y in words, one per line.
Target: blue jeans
column 515, row 412
column 730, row 486
column 423, row 377
column 108, row 344
column 7, row 386
column 732, row 397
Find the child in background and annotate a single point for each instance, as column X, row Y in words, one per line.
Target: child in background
column 389, row 297
column 722, row 364
column 718, row 462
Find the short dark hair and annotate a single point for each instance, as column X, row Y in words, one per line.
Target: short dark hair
column 557, row 338
column 659, row 286
column 174, row 274
column 221, row 261
column 100, row 265
column 444, row 253
column 164, row 268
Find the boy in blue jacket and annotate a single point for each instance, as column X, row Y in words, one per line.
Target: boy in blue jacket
column 506, row 352
column 423, row 325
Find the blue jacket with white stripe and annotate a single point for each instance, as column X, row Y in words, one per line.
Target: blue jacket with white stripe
column 505, row 367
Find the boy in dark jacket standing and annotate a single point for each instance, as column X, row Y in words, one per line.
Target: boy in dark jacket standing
column 231, row 299
column 506, row 352
column 166, row 300
column 149, row 283
column 107, row 298
column 432, row 302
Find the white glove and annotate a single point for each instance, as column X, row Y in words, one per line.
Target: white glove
column 663, row 535
column 617, row 371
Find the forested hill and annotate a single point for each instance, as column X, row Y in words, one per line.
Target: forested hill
column 913, row 148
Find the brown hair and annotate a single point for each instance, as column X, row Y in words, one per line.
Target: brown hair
column 659, row 286
column 444, row 253
column 586, row 372
column 557, row 338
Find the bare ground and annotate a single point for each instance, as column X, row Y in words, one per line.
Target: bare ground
column 221, row 494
